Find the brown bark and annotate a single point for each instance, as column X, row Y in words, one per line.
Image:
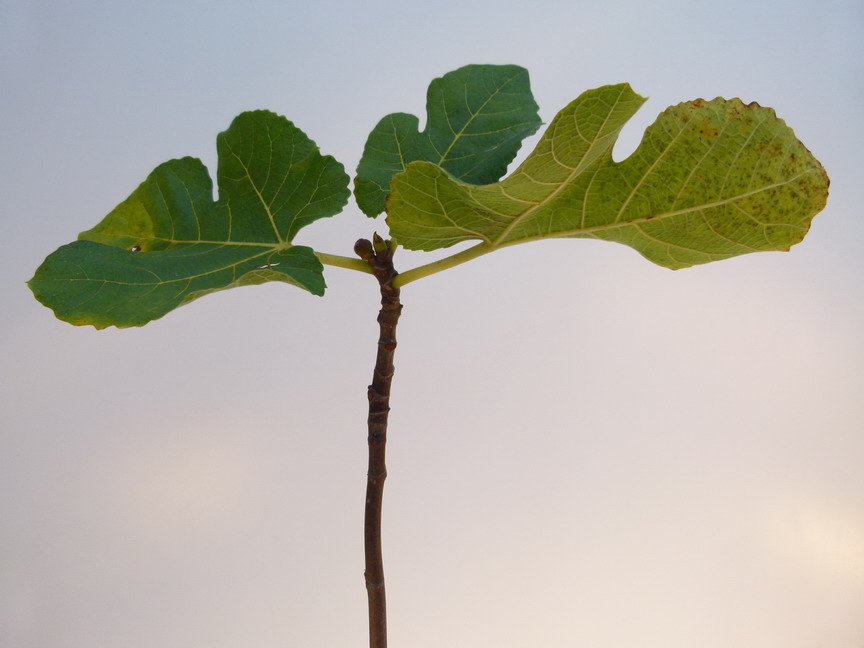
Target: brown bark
column 379, row 255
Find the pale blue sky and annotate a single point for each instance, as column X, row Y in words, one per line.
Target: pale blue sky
column 586, row 449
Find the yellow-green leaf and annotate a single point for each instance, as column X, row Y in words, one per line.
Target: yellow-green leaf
column 710, row 180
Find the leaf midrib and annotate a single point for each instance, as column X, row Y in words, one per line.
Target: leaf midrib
column 169, row 281
column 282, row 245
column 659, row 217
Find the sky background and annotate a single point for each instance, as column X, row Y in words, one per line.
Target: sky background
column 585, row 449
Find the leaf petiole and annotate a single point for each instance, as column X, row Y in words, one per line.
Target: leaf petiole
column 414, row 273
column 343, row 262
column 442, row 264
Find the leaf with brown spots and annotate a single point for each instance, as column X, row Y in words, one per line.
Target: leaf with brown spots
column 710, row 180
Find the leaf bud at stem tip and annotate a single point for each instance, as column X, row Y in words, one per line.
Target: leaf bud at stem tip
column 379, row 244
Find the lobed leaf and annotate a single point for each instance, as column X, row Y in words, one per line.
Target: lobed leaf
column 170, row 242
column 477, row 117
column 710, row 180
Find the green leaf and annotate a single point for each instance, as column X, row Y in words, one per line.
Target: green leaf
column 710, row 180
column 170, row 243
column 477, row 117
